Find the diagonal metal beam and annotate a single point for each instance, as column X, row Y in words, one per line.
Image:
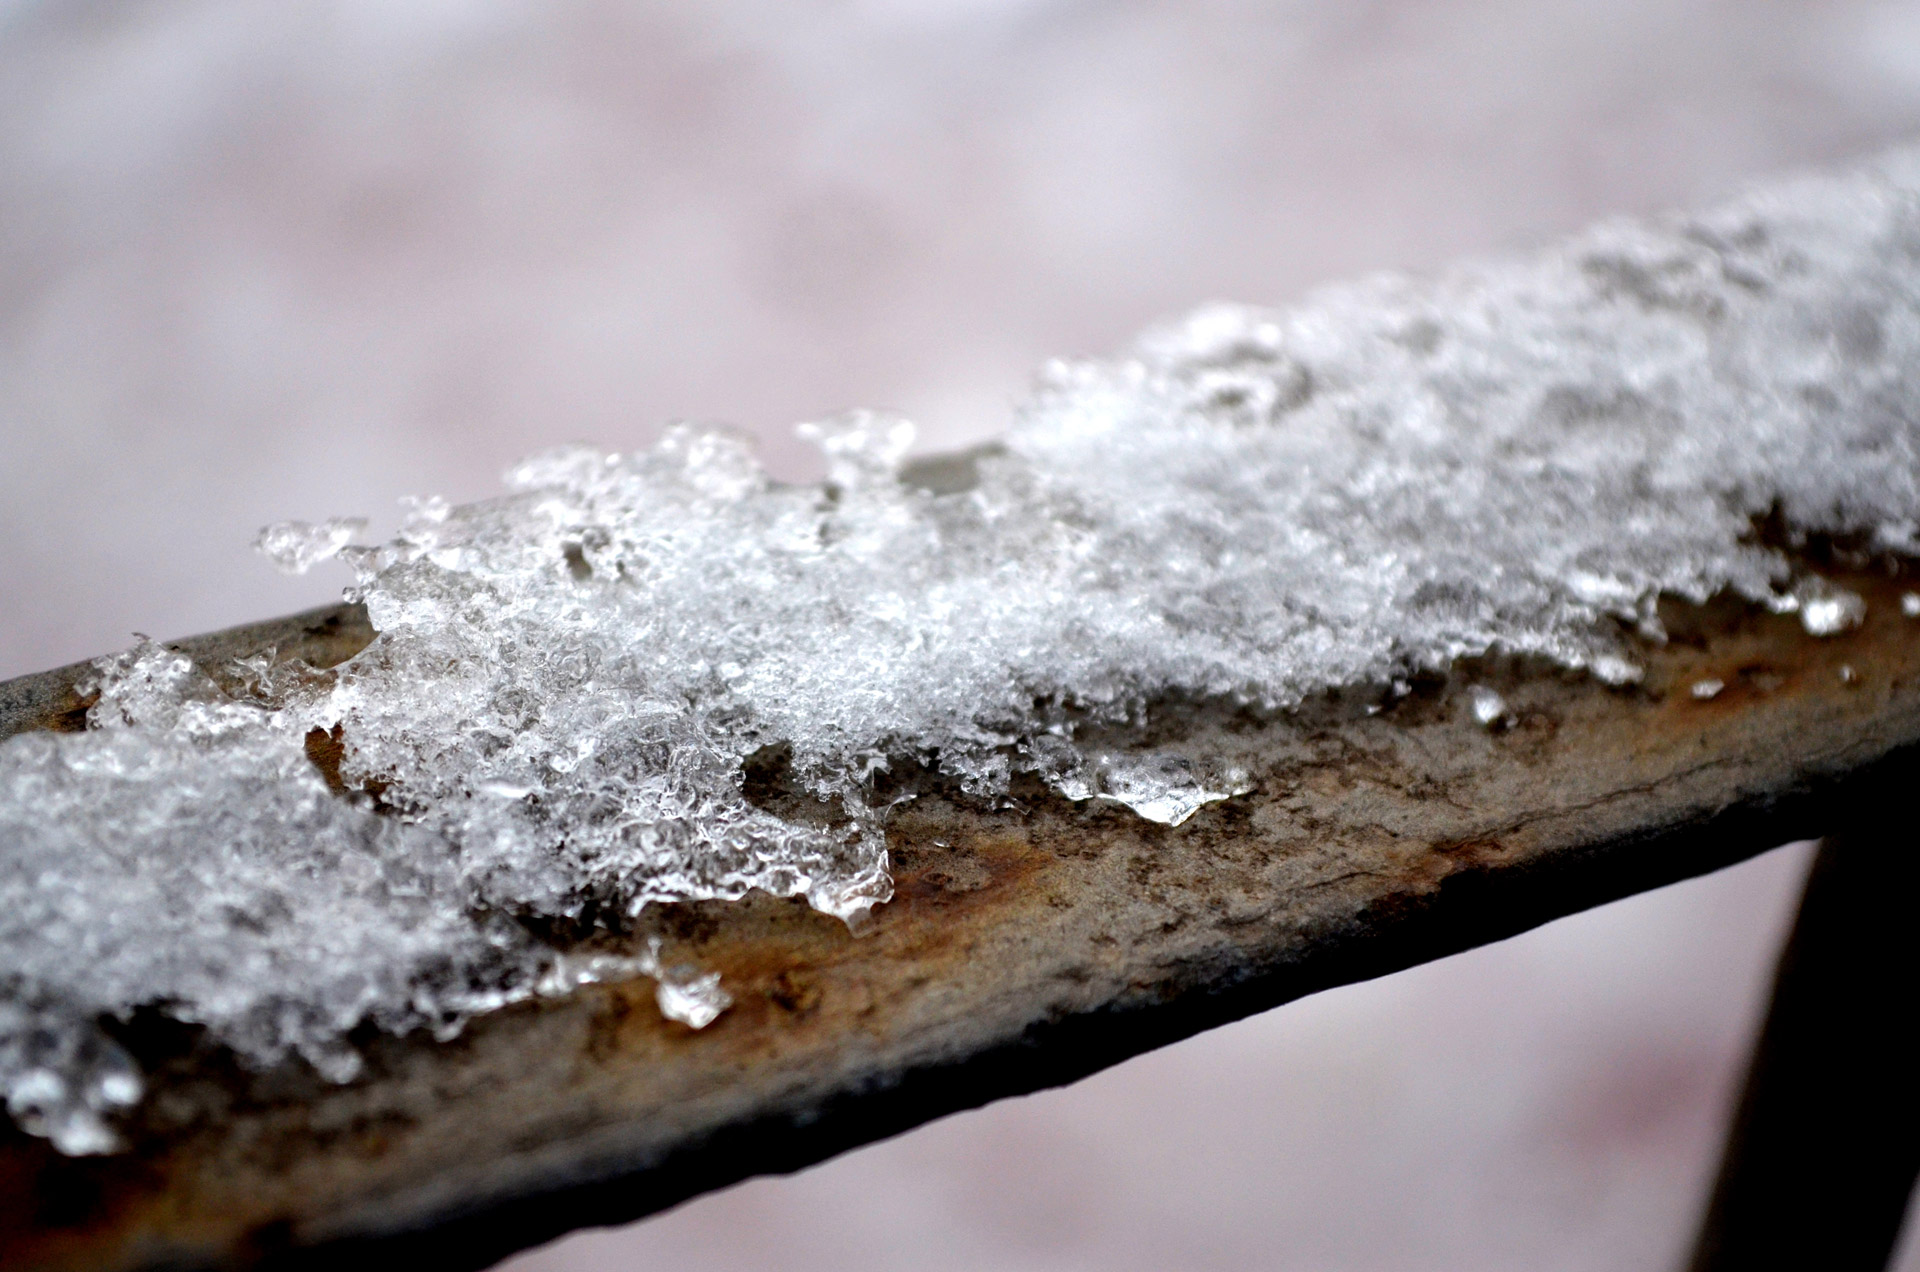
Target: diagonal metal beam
column 1826, row 1142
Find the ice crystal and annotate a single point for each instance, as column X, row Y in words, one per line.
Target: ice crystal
column 682, row 992
column 297, row 546
column 1824, row 609
column 553, row 729
column 1488, row 707
column 1159, row 786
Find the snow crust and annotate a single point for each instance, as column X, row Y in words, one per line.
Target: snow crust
column 555, row 724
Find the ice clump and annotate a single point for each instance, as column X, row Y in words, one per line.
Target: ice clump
column 1488, row 707
column 553, row 730
column 1161, row 787
column 297, row 546
column 683, row 993
column 1825, row 610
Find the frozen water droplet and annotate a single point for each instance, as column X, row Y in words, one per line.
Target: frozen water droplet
column 1826, row 610
column 78, row 1132
column 1488, row 707
column 1613, row 670
column 1159, row 787
column 1910, row 604
column 1707, row 689
column 119, row 1090
column 695, row 999
column 569, row 972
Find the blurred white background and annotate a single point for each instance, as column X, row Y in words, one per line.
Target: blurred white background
column 261, row 261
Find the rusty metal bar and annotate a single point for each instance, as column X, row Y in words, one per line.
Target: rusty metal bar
column 323, row 637
column 1824, row 1149
column 1026, row 947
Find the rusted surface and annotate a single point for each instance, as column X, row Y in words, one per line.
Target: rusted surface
column 1026, row 946
column 322, row 637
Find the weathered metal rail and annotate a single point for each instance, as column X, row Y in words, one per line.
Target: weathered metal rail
column 1025, row 947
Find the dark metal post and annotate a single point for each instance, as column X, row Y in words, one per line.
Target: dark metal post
column 1826, row 1142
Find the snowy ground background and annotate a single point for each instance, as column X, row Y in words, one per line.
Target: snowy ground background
column 290, row 260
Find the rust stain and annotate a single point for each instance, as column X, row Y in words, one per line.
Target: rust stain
column 326, row 749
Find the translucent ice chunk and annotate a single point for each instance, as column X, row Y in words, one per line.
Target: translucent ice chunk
column 1160, row 787
column 1613, row 669
column 693, row 998
column 684, row 993
column 295, row 547
column 862, row 447
column 1826, row 610
column 1488, row 707
column 569, row 972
